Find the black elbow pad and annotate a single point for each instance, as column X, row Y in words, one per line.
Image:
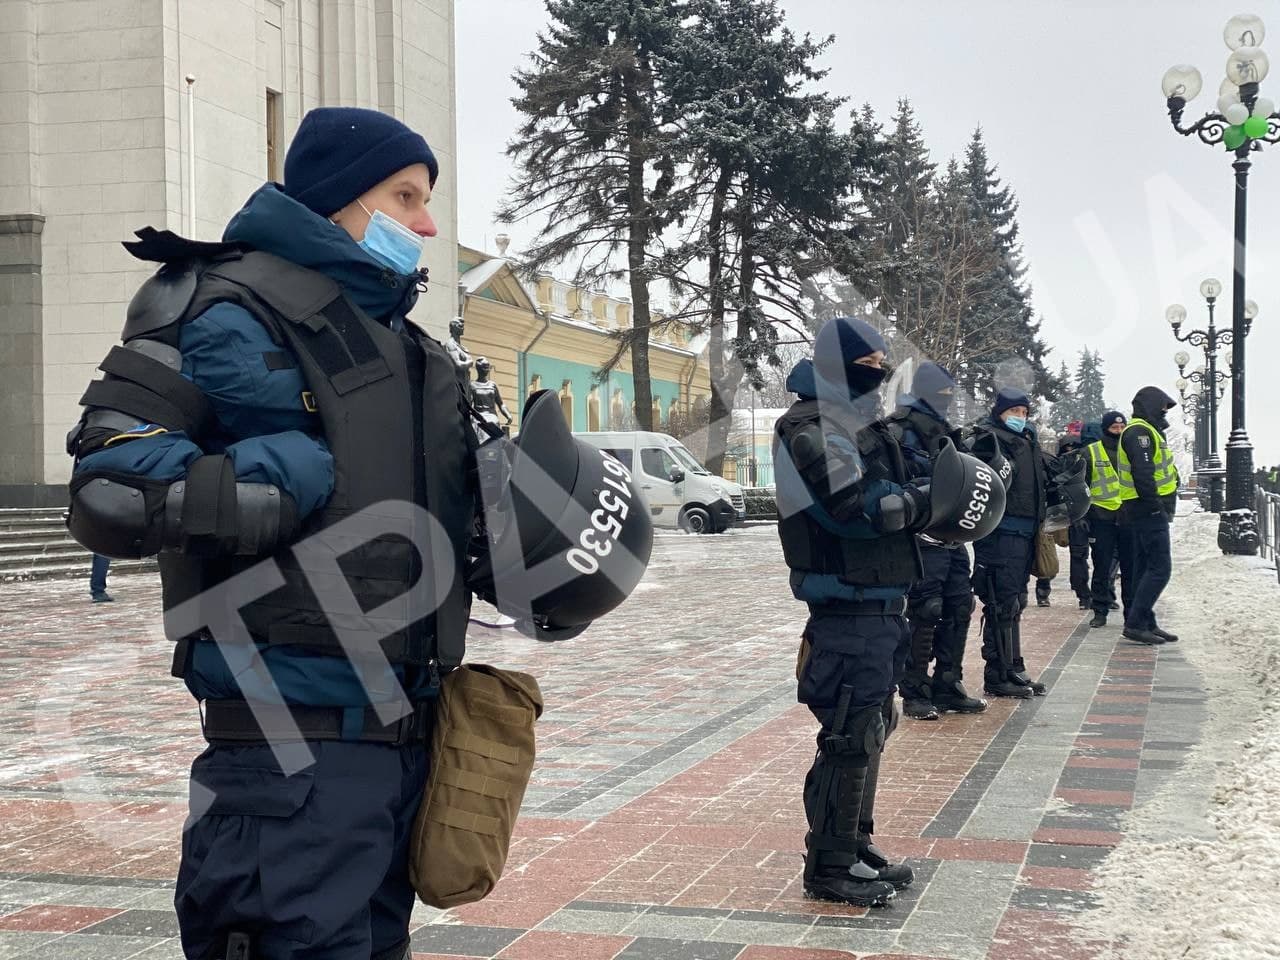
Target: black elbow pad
column 117, row 515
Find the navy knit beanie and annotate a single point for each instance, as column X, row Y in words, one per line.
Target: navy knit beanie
column 934, row 385
column 1112, row 416
column 1007, row 398
column 339, row 153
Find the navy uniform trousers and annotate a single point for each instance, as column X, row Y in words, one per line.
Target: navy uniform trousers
column 1002, row 563
column 312, row 866
column 865, row 653
column 1152, row 568
column 1111, row 547
column 940, row 608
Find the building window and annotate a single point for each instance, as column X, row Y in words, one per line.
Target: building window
column 535, row 384
column 617, row 409
column 274, row 133
column 657, row 412
column 593, row 409
column 566, row 402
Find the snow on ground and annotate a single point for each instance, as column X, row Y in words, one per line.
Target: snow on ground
column 1178, row 887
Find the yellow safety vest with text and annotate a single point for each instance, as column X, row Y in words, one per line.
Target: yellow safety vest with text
column 1104, row 489
column 1166, row 474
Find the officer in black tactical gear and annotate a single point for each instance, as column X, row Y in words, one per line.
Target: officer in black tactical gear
column 300, row 457
column 940, row 604
column 848, row 515
column 1002, row 561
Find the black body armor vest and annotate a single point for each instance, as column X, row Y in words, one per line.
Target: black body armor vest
column 395, row 421
column 869, row 558
column 1026, row 496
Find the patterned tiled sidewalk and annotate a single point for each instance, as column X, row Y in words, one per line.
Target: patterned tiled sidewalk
column 664, row 819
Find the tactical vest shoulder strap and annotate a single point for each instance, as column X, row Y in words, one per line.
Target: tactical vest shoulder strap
column 324, row 321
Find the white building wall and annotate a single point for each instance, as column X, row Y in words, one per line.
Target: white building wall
column 94, row 125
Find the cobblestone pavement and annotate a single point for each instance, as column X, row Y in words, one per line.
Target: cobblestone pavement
column 664, row 819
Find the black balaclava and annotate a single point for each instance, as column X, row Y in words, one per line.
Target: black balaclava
column 1150, row 404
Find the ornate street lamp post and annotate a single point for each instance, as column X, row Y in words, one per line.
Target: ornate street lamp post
column 1208, row 467
column 1243, row 123
column 1208, row 340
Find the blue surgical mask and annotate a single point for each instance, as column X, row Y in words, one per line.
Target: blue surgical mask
column 1016, row 424
column 391, row 243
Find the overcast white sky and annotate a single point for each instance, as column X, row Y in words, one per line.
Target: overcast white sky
column 1120, row 216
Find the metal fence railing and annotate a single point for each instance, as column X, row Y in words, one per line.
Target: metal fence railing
column 1267, row 506
column 754, row 472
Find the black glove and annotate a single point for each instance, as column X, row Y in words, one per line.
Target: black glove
column 908, row 510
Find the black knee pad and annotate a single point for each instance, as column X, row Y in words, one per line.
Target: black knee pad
column 925, row 609
column 867, row 728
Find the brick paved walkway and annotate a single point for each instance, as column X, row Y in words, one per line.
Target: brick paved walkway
column 664, row 819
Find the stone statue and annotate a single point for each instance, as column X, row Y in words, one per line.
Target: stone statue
column 461, row 359
column 485, row 396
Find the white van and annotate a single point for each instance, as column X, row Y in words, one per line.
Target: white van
column 680, row 491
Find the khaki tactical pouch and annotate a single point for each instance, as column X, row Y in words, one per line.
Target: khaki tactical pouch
column 482, row 750
column 1046, row 562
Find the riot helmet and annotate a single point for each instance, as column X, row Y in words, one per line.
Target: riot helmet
column 966, row 497
column 1067, row 498
column 568, row 533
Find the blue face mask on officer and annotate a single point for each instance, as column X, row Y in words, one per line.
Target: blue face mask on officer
column 1016, row 424
column 391, row 243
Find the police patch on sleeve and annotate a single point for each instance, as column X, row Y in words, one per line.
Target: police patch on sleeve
column 1144, row 442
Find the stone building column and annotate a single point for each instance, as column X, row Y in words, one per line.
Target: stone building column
column 21, row 361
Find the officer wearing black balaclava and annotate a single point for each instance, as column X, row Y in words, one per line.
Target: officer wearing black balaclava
column 848, row 515
column 1148, row 495
column 940, row 604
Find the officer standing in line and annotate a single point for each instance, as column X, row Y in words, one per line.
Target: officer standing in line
column 1108, row 539
column 940, row 604
column 1071, row 449
column 269, row 389
column 848, row 515
column 1002, row 561
column 1149, row 501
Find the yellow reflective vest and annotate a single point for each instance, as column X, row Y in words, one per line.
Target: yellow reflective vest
column 1104, row 488
column 1166, row 474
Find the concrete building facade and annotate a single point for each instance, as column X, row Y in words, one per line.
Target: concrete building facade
column 100, row 134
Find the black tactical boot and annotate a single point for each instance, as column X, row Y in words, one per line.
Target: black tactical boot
column 1006, row 688
column 846, row 887
column 919, row 709
column 1143, row 636
column 1099, row 619
column 897, row 874
column 1042, row 601
column 950, row 694
column 1165, row 635
column 1024, row 678
column 1085, row 603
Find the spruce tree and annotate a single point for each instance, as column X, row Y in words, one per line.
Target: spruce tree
column 1067, row 405
column 1004, row 310
column 772, row 180
column 593, row 152
column 900, row 205
column 1090, row 384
